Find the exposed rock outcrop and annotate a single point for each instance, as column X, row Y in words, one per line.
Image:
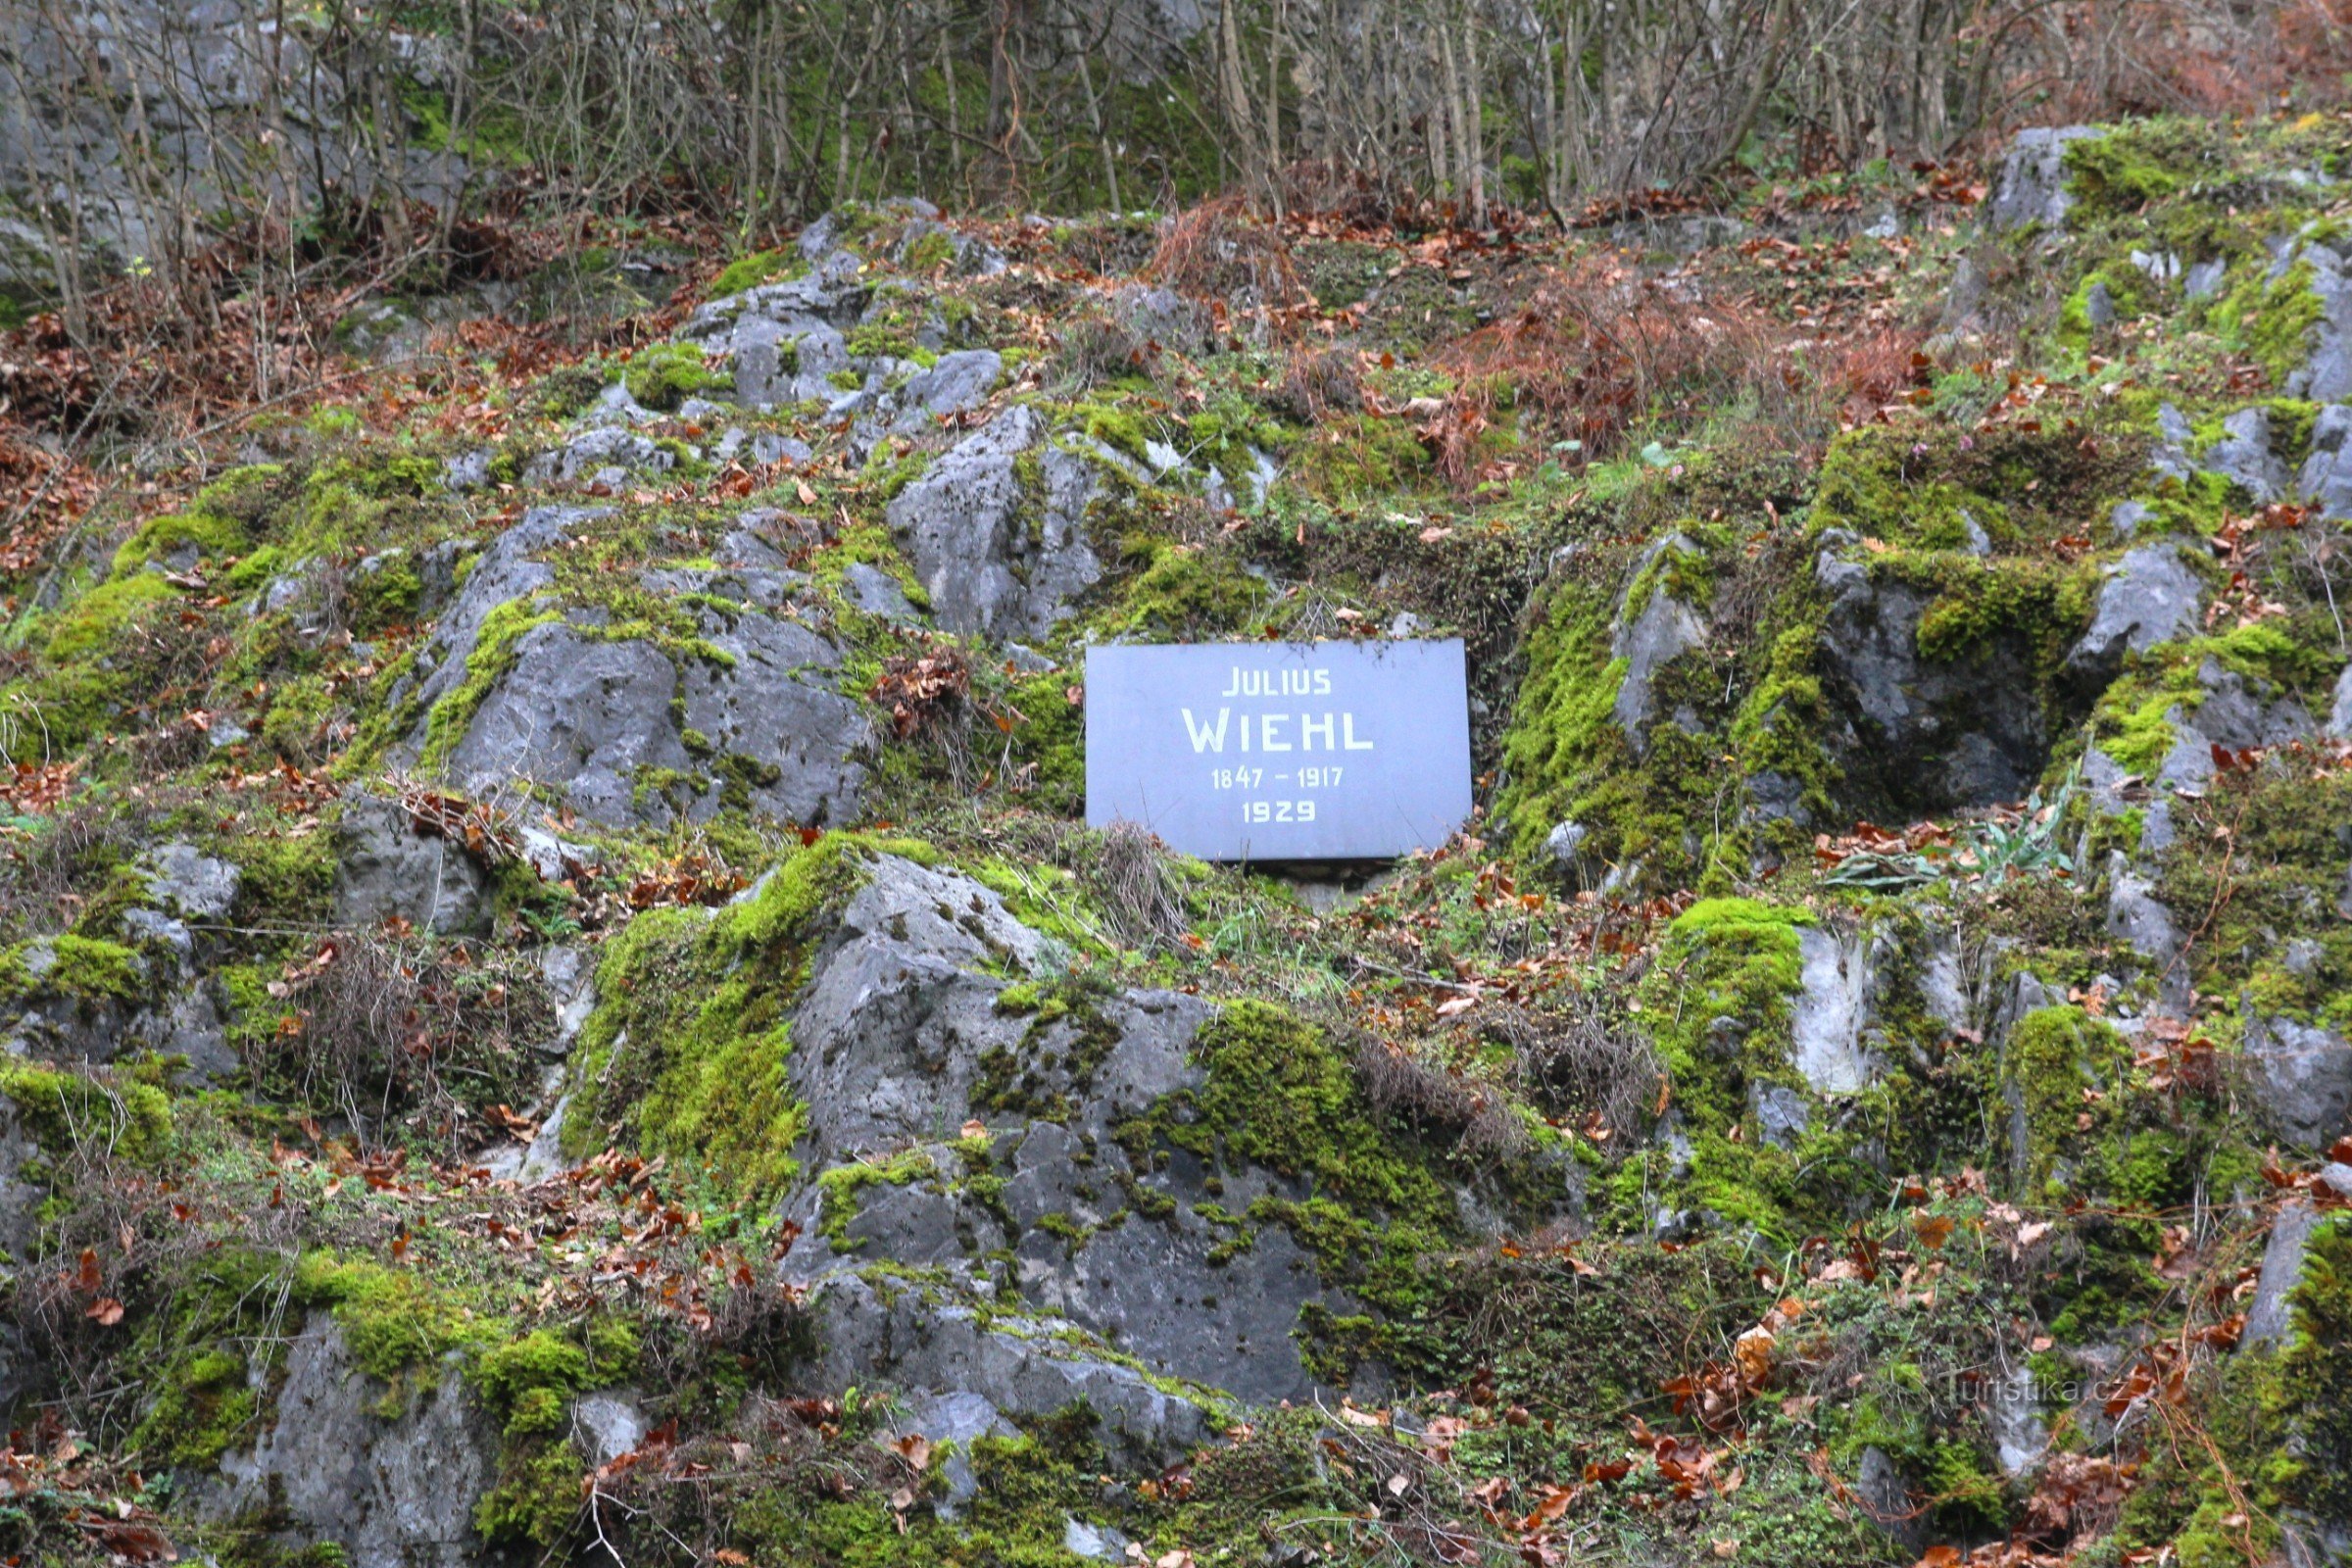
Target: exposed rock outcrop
column 393, row 1493
column 996, row 529
column 1925, row 734
column 630, row 722
column 2031, row 187
column 902, row 1038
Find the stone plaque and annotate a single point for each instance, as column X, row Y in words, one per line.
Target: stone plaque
column 1338, row 751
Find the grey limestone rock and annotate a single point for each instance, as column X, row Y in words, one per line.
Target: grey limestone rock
column 397, row 1494
column 2020, row 1436
column 1162, row 316
column 507, row 570
column 2326, row 376
column 1565, row 845
column 2031, row 187
column 899, row 1043
column 994, row 559
column 958, row 381
column 612, row 1422
column 591, row 716
column 1098, row 1542
column 2135, row 914
column 2243, row 455
column 386, row 868
column 1925, row 735
column 2326, row 477
column 381, row 332
column 2302, row 1076
column 183, row 879
column 875, row 1330
column 877, row 593
column 1660, row 632
column 2231, row 710
column 1826, row 1032
column 1782, row 1113
column 953, row 1420
column 628, row 731
column 2150, row 595
column 468, row 471
column 2269, row 1317
column 1886, row 1498
column 594, row 451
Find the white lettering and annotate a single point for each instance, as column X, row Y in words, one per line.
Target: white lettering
column 1206, row 739
column 1348, row 742
column 1308, row 728
column 1266, row 732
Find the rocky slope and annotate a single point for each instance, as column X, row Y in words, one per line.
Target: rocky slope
column 557, row 1008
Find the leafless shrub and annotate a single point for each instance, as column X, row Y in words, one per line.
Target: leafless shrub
column 1435, row 1102
column 1138, row 892
column 392, row 1028
column 1316, row 382
column 1097, row 348
column 1578, row 1058
column 47, row 876
column 1217, row 250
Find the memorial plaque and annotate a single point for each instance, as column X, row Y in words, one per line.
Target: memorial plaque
column 1338, row 751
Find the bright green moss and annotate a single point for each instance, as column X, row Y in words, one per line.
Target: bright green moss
column 757, row 268
column 1182, row 592
column 538, row 1496
column 211, row 535
column 931, row 251
column 1229, row 430
column 375, row 474
column 522, row 1379
column 2055, row 1053
column 2133, row 722
column 386, row 596
column 2315, row 1375
column 2126, row 169
column 2126, row 289
column 667, row 374
column 1116, row 428
column 204, row 1408
column 2271, row 321
column 843, row 1184
column 1736, row 959
column 1779, row 727
column 568, row 390
column 83, row 967
column 89, row 669
column 1357, row 460
column 880, row 340
column 1875, row 484
column 61, row 1108
column 1563, row 730
column 688, row 1052
column 1984, row 602
column 392, row 1318
column 1680, row 570
column 493, row 656
column 1277, row 1095
column 97, row 623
